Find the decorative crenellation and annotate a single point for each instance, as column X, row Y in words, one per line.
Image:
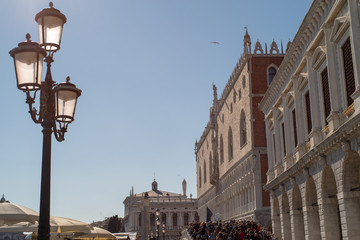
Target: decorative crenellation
column 218, row 103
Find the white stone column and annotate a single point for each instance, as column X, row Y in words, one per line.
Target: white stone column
column 284, row 215
column 181, row 219
column 355, row 47
column 315, row 135
column 271, row 162
column 330, row 230
column 169, row 220
column 350, row 212
column 275, row 215
column 335, row 100
column 311, row 222
column 191, row 217
column 134, row 220
column 277, row 139
column 300, row 118
column 287, row 128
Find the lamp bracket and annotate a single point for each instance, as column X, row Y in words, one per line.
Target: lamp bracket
column 32, row 110
column 59, row 133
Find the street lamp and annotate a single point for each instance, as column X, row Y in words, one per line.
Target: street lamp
column 157, row 213
column 57, row 101
column 163, row 230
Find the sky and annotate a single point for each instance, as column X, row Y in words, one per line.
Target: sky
column 145, row 68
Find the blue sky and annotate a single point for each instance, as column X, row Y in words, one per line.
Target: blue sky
column 146, row 69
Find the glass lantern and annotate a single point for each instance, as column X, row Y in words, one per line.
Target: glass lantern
column 28, row 60
column 66, row 95
column 51, row 22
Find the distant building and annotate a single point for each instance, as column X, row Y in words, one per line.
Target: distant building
column 176, row 211
column 231, row 157
column 312, row 114
column 12, row 236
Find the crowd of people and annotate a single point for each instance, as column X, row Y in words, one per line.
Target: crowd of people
column 232, row 230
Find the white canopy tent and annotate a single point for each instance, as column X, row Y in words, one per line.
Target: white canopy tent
column 11, row 213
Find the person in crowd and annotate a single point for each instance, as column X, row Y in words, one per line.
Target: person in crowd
column 232, row 230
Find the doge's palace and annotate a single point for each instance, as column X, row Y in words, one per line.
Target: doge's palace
column 313, row 127
column 231, row 158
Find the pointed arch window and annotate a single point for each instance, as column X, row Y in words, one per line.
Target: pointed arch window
column 230, row 145
column 204, row 172
column 210, row 164
column 271, row 74
column 243, row 139
column 221, row 149
column 199, row 177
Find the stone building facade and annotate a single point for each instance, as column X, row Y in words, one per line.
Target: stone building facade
column 313, row 127
column 176, row 211
column 231, row 158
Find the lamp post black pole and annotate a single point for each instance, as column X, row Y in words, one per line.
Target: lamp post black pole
column 44, row 217
column 47, row 109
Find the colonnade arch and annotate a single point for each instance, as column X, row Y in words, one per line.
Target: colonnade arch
column 350, row 198
column 276, row 217
column 311, row 211
column 285, row 217
column 330, row 206
column 297, row 220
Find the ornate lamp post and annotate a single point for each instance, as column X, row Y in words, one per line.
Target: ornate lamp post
column 157, row 213
column 57, row 101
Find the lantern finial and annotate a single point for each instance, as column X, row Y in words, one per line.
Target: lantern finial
column 67, row 79
column 28, row 37
column 51, row 5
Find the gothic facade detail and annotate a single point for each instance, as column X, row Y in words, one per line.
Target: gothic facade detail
column 231, row 159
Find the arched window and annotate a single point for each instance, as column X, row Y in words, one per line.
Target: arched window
column 210, row 164
column 186, row 219
column 163, row 218
column 199, row 177
column 230, row 145
column 174, row 219
column 221, row 149
column 271, row 74
column 152, row 220
column 242, row 129
column 140, row 220
column 204, row 172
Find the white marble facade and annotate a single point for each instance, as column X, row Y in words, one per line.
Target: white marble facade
column 313, row 127
column 176, row 211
